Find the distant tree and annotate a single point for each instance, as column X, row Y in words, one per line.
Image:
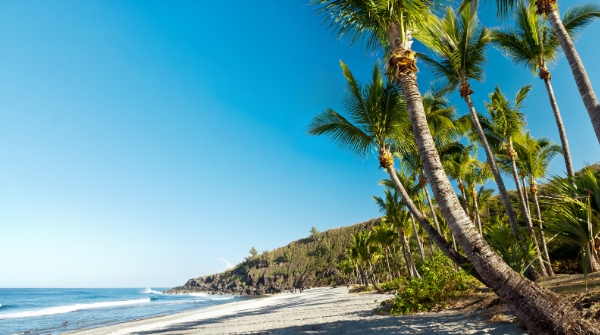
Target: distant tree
column 253, row 252
column 315, row 234
column 287, row 255
column 267, row 256
column 324, row 247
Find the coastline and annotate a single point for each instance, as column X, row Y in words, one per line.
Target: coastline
column 323, row 310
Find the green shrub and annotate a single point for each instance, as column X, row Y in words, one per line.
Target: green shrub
column 394, row 284
column 440, row 284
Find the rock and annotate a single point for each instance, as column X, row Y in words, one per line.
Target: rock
column 315, row 327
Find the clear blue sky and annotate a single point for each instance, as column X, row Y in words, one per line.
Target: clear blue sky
column 141, row 142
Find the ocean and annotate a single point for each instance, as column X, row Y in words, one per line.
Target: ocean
column 43, row 311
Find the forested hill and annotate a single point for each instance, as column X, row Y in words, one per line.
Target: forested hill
column 307, row 262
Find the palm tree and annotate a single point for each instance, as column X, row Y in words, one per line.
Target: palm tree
column 574, row 223
column 446, row 131
column 534, row 46
column 583, row 186
column 461, row 53
column 538, row 308
column 536, row 155
column 393, row 208
column 563, row 31
column 476, row 173
column 508, row 247
column 376, row 114
column 385, row 235
column 363, row 244
column 407, row 178
column 504, row 124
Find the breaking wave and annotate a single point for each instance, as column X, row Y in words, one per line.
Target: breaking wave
column 71, row 308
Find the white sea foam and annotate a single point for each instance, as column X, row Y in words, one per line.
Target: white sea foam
column 219, row 298
column 71, row 308
column 203, row 295
column 210, row 296
column 149, row 290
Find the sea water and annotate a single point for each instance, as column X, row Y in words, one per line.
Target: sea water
column 43, row 311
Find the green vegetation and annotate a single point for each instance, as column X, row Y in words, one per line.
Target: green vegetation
column 440, row 284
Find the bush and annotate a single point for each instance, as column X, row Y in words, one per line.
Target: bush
column 440, row 284
column 394, row 284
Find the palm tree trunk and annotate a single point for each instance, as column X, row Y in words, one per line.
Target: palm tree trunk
column 527, row 216
column 539, row 309
column 441, row 242
column 437, row 225
column 365, row 277
column 477, row 215
column 526, row 196
column 431, row 246
column 388, row 264
column 464, row 196
column 421, row 251
column 454, row 243
column 581, row 78
column 561, row 128
column 410, row 265
column 538, row 213
column 593, row 265
column 512, row 217
column 413, row 267
column 409, row 271
column 373, row 281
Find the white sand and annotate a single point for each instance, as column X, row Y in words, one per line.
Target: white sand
column 331, row 310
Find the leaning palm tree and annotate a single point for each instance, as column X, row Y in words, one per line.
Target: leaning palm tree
column 459, row 41
column 506, row 122
column 376, row 113
column 563, row 31
column 531, row 44
column 446, row 129
column 538, row 308
column 536, row 155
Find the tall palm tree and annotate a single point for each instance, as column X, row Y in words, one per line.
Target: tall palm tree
column 456, row 168
column 461, row 53
column 363, row 244
column 538, row 308
column 506, row 122
column 446, row 131
column 408, row 178
column 376, row 113
column 477, row 173
column 385, row 235
column 534, row 46
column 536, row 155
column 562, row 32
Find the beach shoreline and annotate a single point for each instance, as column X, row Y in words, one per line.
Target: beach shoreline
column 323, row 310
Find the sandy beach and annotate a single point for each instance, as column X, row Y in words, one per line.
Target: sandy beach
column 316, row 311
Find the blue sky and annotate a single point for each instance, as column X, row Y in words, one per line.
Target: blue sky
column 144, row 143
